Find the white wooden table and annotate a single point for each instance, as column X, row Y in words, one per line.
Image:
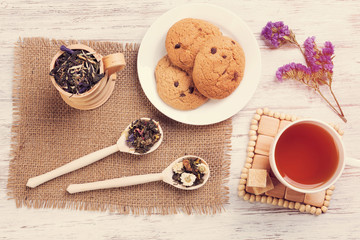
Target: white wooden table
column 127, row 21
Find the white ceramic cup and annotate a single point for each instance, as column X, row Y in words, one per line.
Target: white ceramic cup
column 341, row 161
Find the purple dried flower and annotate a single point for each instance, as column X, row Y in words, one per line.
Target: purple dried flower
column 65, row 49
column 316, row 59
column 279, row 74
column 329, row 67
column 276, row 33
column 319, row 69
column 328, row 49
column 131, row 138
column 293, row 70
column 83, row 87
column 310, row 52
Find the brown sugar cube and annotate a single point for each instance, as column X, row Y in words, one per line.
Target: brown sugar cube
column 250, row 189
column 256, row 178
column 261, row 162
column 294, row 195
column 263, row 144
column 279, row 189
column 261, row 190
column 283, row 124
column 268, row 126
column 315, row 199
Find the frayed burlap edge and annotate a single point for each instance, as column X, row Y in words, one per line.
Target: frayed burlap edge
column 55, row 42
column 91, row 206
column 14, row 142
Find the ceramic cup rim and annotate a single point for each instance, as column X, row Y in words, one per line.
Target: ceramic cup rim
column 339, row 144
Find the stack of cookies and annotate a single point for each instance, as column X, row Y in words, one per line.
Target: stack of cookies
column 200, row 64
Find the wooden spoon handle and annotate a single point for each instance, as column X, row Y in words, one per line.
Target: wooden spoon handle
column 72, row 166
column 115, row 183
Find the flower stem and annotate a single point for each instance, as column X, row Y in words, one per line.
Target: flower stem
column 340, row 114
column 301, row 50
column 298, row 45
column 332, row 93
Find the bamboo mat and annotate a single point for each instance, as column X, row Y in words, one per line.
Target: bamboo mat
column 264, row 126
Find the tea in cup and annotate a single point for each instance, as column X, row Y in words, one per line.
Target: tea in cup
column 307, row 156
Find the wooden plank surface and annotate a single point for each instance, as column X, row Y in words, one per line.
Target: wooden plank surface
column 127, row 22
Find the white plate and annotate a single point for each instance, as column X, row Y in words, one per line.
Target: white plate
column 152, row 49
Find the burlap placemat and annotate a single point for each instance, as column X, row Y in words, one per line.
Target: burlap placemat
column 47, row 133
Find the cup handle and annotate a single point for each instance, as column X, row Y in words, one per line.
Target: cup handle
column 114, row 62
column 352, row 162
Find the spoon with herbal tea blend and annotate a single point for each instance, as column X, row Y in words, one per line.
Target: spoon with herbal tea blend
column 193, row 173
column 139, row 137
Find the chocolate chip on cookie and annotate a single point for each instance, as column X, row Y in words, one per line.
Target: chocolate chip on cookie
column 191, row 90
column 213, row 50
column 236, row 75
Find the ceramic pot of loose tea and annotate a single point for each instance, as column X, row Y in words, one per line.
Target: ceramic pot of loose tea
column 84, row 78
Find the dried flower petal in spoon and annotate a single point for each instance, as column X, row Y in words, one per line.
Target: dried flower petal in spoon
column 143, row 134
column 190, row 171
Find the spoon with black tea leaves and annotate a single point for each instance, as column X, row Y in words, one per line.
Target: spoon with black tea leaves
column 166, row 176
column 122, row 145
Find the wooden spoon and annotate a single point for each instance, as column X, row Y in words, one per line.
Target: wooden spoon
column 121, row 146
column 165, row 176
